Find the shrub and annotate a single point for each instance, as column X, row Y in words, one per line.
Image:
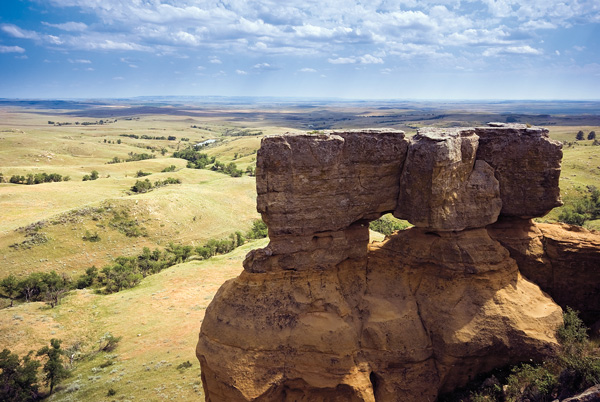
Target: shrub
column 184, row 365
column 388, row 224
column 92, row 237
column 108, row 342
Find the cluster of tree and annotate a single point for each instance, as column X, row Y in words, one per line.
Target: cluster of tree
column 141, row 173
column 582, row 209
column 124, row 272
column 234, row 132
column 196, row 160
column 37, row 178
column 85, row 123
column 574, row 368
column 144, row 186
column 388, row 224
column 169, row 169
column 92, row 176
column 151, row 137
column 581, row 135
column 231, row 169
column 38, row 286
column 19, row 377
column 133, row 157
column 127, row 272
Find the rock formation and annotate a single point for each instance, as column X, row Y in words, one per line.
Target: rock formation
column 321, row 315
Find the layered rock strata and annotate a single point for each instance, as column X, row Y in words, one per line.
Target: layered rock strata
column 321, row 315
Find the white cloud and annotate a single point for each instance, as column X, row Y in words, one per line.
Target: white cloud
column 17, row 32
column 11, row 49
column 369, row 59
column 215, row 60
column 307, row 70
column 241, row 72
column 366, row 59
column 68, row 26
column 80, row 61
column 265, row 67
column 513, row 50
column 342, row 60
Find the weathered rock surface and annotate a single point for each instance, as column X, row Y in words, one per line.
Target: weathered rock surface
column 314, row 183
column 319, row 315
column 442, row 187
column 401, row 326
column 527, row 165
column 563, row 260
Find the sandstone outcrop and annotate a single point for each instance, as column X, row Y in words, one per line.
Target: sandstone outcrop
column 563, row 260
column 321, row 315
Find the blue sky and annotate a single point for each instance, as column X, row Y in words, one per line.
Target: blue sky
column 400, row 49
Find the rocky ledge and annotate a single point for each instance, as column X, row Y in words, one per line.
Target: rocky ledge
column 322, row 315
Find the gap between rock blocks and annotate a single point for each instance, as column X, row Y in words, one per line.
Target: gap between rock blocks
column 321, row 315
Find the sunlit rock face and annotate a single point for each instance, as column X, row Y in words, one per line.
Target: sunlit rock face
column 322, row 315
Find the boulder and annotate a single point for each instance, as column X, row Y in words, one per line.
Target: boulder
column 315, row 183
column 443, row 187
column 526, row 162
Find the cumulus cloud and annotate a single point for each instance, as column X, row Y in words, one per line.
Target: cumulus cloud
column 11, row 49
column 307, row 70
column 329, row 30
column 80, row 61
column 241, row 72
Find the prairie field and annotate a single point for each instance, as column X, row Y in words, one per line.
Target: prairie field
column 49, row 226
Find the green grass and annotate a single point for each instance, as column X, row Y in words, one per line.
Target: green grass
column 158, row 322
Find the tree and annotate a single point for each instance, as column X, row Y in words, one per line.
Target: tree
column 31, row 286
column 591, row 135
column 94, row 175
column 18, row 379
column 55, row 287
column 54, row 369
column 579, row 135
column 10, row 288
